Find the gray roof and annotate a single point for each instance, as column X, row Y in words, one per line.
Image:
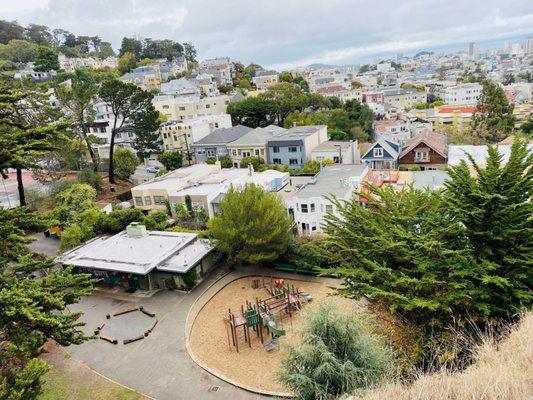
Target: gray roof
column 178, row 85
column 223, row 136
column 297, row 132
column 256, row 137
column 429, row 179
column 333, row 145
column 333, row 180
column 386, row 145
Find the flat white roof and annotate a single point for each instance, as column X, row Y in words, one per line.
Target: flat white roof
column 136, row 255
column 187, row 257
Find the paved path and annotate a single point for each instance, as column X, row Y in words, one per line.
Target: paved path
column 159, row 365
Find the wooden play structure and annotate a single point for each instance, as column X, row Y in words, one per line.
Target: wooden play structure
column 265, row 313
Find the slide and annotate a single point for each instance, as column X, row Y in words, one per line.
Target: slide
column 273, row 330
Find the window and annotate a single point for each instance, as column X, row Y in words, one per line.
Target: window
column 312, row 207
column 276, row 160
column 378, row 152
column 165, row 107
column 207, row 106
column 275, row 149
column 293, row 149
column 304, row 208
column 159, row 200
column 421, row 156
column 329, row 208
column 293, row 161
column 256, row 152
column 138, row 201
column 182, row 108
column 148, row 200
column 234, row 152
column 211, row 152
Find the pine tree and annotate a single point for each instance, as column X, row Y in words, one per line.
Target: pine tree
column 252, row 225
column 493, row 204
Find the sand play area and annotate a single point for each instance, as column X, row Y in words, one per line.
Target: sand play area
column 253, row 367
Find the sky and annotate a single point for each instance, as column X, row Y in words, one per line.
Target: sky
column 289, row 33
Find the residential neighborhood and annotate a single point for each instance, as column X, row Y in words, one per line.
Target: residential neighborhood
column 251, row 201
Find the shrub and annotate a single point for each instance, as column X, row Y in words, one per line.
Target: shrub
column 190, row 278
column 415, row 168
column 54, row 187
column 125, row 162
column 156, row 221
column 171, row 160
column 337, row 355
column 255, row 161
column 71, row 237
column 35, row 198
column 225, row 161
column 92, row 178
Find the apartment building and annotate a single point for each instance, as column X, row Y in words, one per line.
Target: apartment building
column 252, row 143
column 264, row 79
column 147, row 77
column 204, row 184
column 220, row 68
column 312, row 202
column 293, row 147
column 180, row 135
column 393, row 129
column 462, row 94
column 403, row 98
column 178, row 108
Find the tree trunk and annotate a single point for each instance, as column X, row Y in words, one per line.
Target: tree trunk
column 111, row 165
column 92, row 154
column 20, row 187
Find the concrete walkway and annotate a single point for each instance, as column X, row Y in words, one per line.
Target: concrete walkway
column 159, row 365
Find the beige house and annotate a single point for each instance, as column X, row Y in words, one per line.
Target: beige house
column 180, row 135
column 252, row 144
column 403, row 98
column 187, row 107
column 340, row 152
column 265, row 79
column 204, row 184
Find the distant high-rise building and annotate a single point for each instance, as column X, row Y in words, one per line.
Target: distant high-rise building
column 473, row 49
column 528, row 45
column 516, row 48
column 506, row 47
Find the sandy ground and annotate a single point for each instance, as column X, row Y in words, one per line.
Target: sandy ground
column 254, row 367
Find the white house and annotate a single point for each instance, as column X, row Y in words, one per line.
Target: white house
column 310, row 204
column 462, row 94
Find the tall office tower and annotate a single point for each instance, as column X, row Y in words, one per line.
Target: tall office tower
column 506, row 47
column 473, row 49
column 528, row 45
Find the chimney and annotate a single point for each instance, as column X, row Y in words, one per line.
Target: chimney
column 250, row 169
column 136, row 230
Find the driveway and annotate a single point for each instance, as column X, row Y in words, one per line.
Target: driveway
column 159, row 365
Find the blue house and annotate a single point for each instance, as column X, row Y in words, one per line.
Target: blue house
column 293, row 147
column 382, row 154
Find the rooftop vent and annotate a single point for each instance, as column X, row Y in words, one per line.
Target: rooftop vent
column 136, row 230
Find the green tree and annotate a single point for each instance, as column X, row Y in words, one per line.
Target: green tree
column 527, row 127
column 132, row 46
column 404, row 250
column 28, row 130
column 286, row 76
column 493, row 119
column 126, row 63
column 189, row 52
column 18, row 51
column 38, row 34
column 494, row 207
column 252, row 225
column 146, row 130
column 171, row 160
column 125, row 162
column 255, row 161
column 73, row 201
column 10, row 30
column 286, row 98
column 46, row 59
column 132, row 108
column 33, row 311
column 245, row 84
column 78, row 100
column 336, row 356
column 253, row 112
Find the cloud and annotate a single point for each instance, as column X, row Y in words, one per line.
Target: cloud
column 285, row 34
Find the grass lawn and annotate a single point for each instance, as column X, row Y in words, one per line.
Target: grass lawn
column 69, row 379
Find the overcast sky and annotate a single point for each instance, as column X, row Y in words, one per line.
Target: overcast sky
column 288, row 33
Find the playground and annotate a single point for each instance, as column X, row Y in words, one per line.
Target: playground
column 243, row 331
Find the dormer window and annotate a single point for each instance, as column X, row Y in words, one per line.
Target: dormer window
column 378, row 152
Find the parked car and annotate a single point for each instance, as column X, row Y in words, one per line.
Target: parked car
column 153, row 170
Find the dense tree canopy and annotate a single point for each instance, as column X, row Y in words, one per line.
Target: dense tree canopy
column 252, row 225
column 493, row 119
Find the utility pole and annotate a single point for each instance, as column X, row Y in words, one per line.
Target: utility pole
column 189, row 158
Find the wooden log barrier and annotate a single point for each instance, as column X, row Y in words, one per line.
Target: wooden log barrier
column 126, row 311
column 146, row 312
column 110, row 340
column 128, row 341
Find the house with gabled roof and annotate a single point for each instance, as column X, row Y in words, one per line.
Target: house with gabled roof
column 426, row 150
column 382, row 154
column 215, row 144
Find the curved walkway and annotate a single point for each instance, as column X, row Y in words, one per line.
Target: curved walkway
column 158, row 366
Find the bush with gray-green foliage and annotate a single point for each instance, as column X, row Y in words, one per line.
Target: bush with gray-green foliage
column 125, row 162
column 336, row 355
column 92, row 178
